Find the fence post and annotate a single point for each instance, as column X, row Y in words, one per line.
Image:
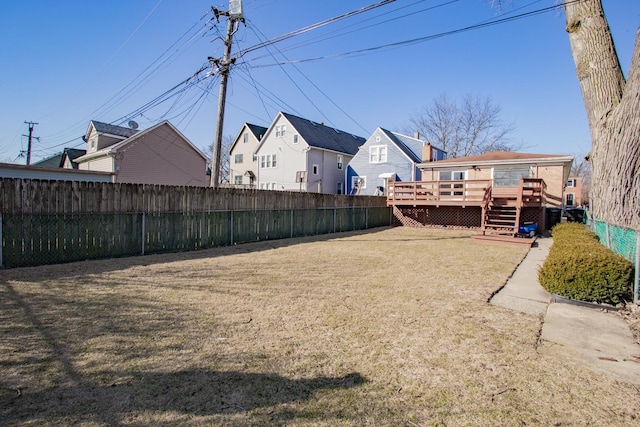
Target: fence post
column 335, row 216
column 606, row 231
column 366, row 218
column 231, row 227
column 143, row 231
column 0, row 240
column 292, row 223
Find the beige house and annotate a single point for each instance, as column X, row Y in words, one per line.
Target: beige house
column 496, row 192
column 573, row 192
column 158, row 155
column 243, row 164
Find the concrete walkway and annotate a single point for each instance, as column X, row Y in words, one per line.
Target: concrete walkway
column 592, row 337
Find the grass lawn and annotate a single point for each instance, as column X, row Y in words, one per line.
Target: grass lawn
column 387, row 327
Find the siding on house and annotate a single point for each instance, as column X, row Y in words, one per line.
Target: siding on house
column 403, row 154
column 9, row 170
column 244, row 146
column 101, row 164
column 158, row 155
column 300, row 145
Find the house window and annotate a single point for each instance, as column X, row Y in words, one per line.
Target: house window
column 255, row 157
column 237, row 179
column 315, row 169
column 340, row 161
column 571, row 183
column 378, row 154
column 339, row 188
column 360, row 181
column 281, row 130
column 268, row 161
column 245, row 138
column 295, row 138
column 569, row 199
column 451, row 175
column 510, row 176
column 238, row 158
column 454, row 188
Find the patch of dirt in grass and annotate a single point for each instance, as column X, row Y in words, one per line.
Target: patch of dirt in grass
column 387, row 327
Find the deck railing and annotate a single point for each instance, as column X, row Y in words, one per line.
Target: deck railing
column 530, row 192
column 460, row 192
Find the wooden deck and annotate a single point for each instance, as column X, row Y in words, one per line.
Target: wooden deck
column 501, row 210
column 530, row 193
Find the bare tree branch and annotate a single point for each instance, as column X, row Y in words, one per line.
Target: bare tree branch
column 470, row 126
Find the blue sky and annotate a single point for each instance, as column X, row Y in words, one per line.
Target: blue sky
column 65, row 63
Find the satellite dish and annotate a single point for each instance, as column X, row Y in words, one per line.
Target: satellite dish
column 133, row 125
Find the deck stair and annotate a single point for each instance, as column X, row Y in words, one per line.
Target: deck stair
column 501, row 219
column 501, row 216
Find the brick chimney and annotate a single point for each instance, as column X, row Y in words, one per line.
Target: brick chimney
column 426, row 153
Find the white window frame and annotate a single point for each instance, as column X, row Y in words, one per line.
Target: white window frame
column 237, row 179
column 315, row 169
column 378, row 154
column 268, row 161
column 238, row 158
column 340, row 161
column 354, row 181
column 571, row 182
column 281, row 130
column 452, row 188
column 573, row 199
column 295, row 138
column 245, row 138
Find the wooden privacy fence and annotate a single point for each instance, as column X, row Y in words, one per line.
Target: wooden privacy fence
column 65, row 197
column 37, row 239
column 50, row 222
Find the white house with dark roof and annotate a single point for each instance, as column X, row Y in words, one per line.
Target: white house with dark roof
column 243, row 164
column 385, row 157
column 297, row 154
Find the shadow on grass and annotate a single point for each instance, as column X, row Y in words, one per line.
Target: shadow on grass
column 149, row 394
column 103, row 265
column 44, row 384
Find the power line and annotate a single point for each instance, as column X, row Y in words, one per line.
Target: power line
column 421, row 39
column 313, row 27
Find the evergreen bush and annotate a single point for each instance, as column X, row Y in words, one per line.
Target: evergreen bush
column 579, row 267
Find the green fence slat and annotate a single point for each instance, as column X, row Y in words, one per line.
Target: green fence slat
column 30, row 240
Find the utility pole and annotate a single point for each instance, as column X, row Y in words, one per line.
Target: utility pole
column 31, row 125
column 233, row 15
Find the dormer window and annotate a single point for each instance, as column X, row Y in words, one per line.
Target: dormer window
column 281, row 130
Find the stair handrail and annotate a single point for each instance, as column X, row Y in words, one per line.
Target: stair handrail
column 486, row 198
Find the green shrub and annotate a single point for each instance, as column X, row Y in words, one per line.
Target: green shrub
column 579, row 267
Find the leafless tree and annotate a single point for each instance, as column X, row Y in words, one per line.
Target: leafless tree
column 470, row 126
column 582, row 169
column 227, row 140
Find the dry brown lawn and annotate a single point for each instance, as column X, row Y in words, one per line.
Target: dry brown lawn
column 387, row 327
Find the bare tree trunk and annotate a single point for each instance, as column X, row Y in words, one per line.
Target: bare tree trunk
column 613, row 110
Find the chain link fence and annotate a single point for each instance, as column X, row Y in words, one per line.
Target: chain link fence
column 621, row 240
column 38, row 239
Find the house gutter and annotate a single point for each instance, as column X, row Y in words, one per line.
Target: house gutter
column 538, row 161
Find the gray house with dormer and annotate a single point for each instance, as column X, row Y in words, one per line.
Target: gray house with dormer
column 388, row 156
